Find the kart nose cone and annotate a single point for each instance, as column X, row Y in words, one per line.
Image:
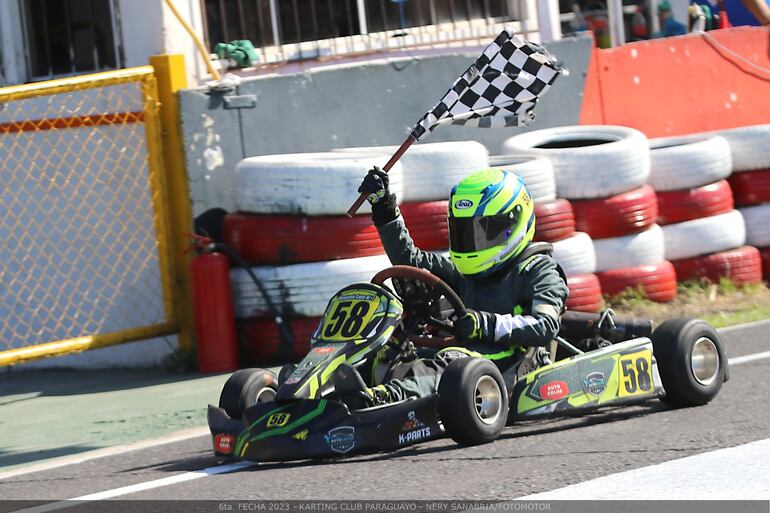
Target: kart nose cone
column 488, row 398
column 704, row 361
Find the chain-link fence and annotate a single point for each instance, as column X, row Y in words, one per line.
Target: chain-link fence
column 84, row 258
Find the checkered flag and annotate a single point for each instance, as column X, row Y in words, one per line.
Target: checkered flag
column 500, row 89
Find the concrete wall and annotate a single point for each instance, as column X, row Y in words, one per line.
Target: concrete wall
column 682, row 85
column 375, row 103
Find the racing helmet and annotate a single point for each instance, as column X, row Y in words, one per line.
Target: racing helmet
column 491, row 221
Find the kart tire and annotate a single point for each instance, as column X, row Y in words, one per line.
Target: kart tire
column 704, row 201
column 554, row 220
column 757, row 219
column 245, row 388
column 751, row 188
column 585, row 293
column 430, row 170
column 704, row 236
column 748, row 147
column 260, row 341
column 644, row 248
column 588, row 161
column 462, row 383
column 657, row 281
column 427, row 224
column 622, row 214
column 742, row 265
column 689, row 383
column 299, row 290
column 537, row 173
column 575, row 254
column 687, row 162
column 290, row 239
column 312, row 184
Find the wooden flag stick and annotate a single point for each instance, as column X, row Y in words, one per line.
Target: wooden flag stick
column 396, row 156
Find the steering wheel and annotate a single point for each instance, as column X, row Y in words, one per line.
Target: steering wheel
column 419, row 289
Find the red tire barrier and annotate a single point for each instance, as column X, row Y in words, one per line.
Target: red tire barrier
column 554, row 220
column 751, row 187
column 427, row 224
column 742, row 265
column 688, row 204
column 288, row 239
column 585, row 293
column 623, row 214
column 658, row 281
column 260, row 343
column 765, row 253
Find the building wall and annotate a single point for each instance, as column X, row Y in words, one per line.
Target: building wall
column 375, row 103
column 142, row 27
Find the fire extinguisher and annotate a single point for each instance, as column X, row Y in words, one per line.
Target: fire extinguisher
column 213, row 305
column 216, row 343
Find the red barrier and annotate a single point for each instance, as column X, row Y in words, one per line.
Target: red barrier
column 682, row 85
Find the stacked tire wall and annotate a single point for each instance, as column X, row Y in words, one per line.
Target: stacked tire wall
column 291, row 228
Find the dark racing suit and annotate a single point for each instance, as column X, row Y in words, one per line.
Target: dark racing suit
column 528, row 297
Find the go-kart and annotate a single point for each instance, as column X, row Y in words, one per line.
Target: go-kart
column 600, row 361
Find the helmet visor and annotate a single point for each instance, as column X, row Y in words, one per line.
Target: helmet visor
column 469, row 234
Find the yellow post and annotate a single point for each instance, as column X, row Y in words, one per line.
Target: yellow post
column 171, row 77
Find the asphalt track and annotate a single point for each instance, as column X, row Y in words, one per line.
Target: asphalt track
column 530, row 458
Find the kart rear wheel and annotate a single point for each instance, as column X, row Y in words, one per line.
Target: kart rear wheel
column 245, row 388
column 473, row 401
column 691, row 361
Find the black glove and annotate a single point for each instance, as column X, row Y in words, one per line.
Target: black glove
column 475, row 327
column 375, row 185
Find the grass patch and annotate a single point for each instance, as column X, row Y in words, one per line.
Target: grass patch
column 720, row 304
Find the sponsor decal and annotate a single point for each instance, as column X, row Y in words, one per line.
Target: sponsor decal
column 341, row 439
column 323, row 350
column 278, row 420
column 224, row 443
column 412, row 422
column 300, row 371
column 300, row 435
column 414, row 436
column 463, row 204
column 595, row 383
column 554, row 390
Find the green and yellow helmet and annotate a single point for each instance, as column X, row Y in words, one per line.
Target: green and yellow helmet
column 491, row 221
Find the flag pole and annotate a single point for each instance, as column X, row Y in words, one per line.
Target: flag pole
column 395, row 158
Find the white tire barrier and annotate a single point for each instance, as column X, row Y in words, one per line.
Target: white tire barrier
column 588, row 161
column 301, row 289
column 704, row 236
column 537, row 173
column 757, row 220
column 575, row 254
column 430, row 170
column 688, row 162
column 645, row 248
column 749, row 147
column 305, row 183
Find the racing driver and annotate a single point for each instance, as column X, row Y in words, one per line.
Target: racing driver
column 513, row 289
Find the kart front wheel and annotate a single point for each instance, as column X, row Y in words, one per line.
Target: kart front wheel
column 473, row 401
column 691, row 361
column 245, row 388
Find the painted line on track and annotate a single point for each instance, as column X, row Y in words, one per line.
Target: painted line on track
column 749, row 358
column 73, row 459
column 733, row 473
column 139, row 487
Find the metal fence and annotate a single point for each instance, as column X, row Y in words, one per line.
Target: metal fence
column 284, row 30
column 86, row 259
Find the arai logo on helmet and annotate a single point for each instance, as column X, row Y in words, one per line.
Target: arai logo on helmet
column 463, row 204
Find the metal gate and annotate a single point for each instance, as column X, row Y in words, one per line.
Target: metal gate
column 85, row 252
